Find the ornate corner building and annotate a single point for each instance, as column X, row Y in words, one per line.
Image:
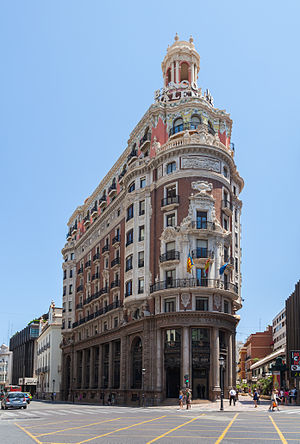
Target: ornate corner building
column 141, row 320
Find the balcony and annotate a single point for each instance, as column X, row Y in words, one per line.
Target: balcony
column 115, row 261
column 193, row 282
column 94, row 211
column 121, row 176
column 202, row 253
column 96, row 257
column 103, row 290
column 170, row 201
column 102, row 202
column 132, row 157
column 145, row 142
column 69, row 235
column 95, row 276
column 112, row 190
column 190, row 126
column 227, row 207
column 97, row 313
column 203, row 225
column 115, row 284
column 116, row 240
column 171, row 255
column 80, row 270
column 105, row 249
column 86, row 220
column 88, row 264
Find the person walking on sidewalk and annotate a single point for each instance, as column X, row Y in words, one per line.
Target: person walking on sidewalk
column 255, row 398
column 274, row 402
column 188, row 398
column 181, row 399
column 232, row 396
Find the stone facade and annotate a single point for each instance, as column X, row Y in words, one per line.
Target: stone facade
column 142, row 320
column 5, row 366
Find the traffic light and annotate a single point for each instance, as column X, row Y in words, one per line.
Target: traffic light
column 186, row 380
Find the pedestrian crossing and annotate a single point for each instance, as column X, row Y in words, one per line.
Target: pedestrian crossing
column 36, row 414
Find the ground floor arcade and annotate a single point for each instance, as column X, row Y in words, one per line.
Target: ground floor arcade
column 149, row 360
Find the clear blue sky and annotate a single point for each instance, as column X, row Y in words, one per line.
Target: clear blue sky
column 76, row 76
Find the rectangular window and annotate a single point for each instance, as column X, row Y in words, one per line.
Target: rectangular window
column 143, row 182
column 141, row 259
column 141, row 285
column 131, row 187
column 129, row 238
column 171, row 191
column 226, row 307
column 170, row 278
column 236, row 239
column 69, row 323
column 64, row 290
column 201, row 277
column 70, row 289
column 141, row 233
column 128, row 288
column 72, row 256
column 141, row 207
column 65, row 274
column 129, row 263
column 130, row 212
column 225, row 224
column 170, row 305
column 70, row 305
column 71, row 273
column 116, row 321
column 202, row 304
column 170, row 220
column 201, row 220
column 236, row 264
column 171, row 167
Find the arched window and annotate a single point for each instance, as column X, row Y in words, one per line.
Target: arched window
column 177, row 125
column 210, row 128
column 184, row 71
column 195, row 121
column 137, row 362
column 168, row 76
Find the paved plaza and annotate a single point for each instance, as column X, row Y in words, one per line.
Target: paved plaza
column 62, row 423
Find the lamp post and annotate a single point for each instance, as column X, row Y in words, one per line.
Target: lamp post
column 143, row 382
column 222, row 362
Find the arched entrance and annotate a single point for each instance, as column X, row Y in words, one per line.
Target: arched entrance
column 172, row 360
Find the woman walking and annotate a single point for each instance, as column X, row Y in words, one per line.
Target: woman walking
column 181, row 399
column 255, row 398
column 274, row 402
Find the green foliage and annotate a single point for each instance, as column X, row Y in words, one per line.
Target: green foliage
column 34, row 321
column 266, row 385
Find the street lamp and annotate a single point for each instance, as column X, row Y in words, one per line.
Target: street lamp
column 222, row 363
column 143, row 382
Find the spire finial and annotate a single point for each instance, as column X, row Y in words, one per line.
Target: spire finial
column 191, row 39
column 176, row 37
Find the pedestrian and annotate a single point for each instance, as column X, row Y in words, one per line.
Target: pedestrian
column 181, row 399
column 274, row 402
column 232, row 396
column 286, row 396
column 255, row 398
column 188, row 398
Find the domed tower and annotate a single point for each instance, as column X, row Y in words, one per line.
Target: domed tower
column 181, row 63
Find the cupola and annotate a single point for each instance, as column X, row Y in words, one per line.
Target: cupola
column 181, row 63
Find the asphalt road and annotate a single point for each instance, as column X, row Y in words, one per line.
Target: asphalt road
column 45, row 423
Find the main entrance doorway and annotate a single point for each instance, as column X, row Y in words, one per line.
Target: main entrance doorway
column 200, row 363
column 172, row 358
column 200, row 383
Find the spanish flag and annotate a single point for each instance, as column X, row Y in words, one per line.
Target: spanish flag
column 189, row 264
column 206, row 266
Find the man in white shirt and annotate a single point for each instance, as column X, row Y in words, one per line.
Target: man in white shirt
column 232, row 396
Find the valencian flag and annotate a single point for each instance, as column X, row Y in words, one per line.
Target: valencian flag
column 189, row 264
column 206, row 266
column 222, row 269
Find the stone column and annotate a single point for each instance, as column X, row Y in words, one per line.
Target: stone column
column 159, row 360
column 100, row 381
column 229, row 361
column 92, row 366
column 192, row 73
column 177, row 71
column 214, row 354
column 172, row 72
column 233, row 358
column 122, row 363
column 185, row 361
column 110, row 366
column 83, row 370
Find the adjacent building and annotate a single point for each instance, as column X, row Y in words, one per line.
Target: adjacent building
column 279, row 331
column 49, row 354
column 5, row 366
column 23, row 346
column 158, row 255
column 292, row 307
column 258, row 346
